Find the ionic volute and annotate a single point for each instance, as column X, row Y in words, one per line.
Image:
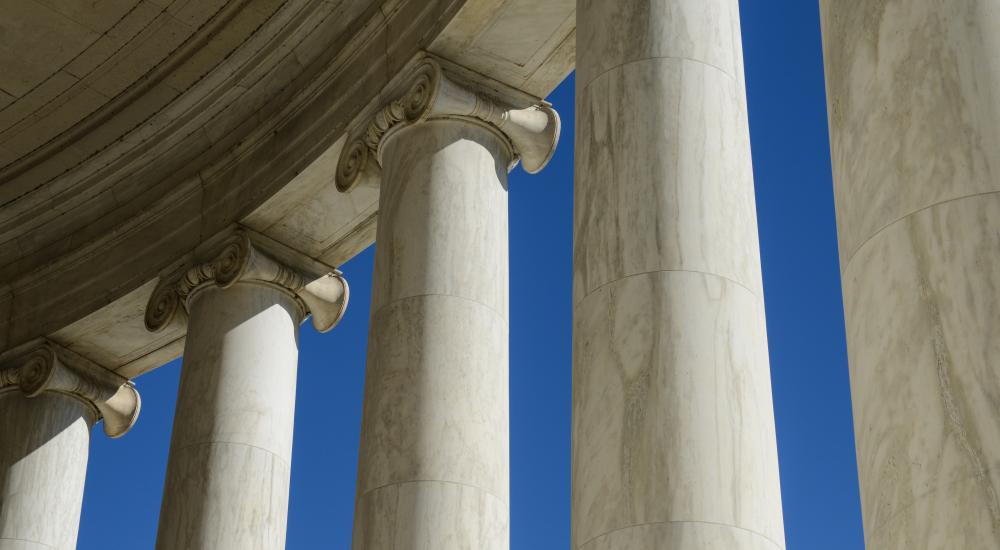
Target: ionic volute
column 48, row 367
column 532, row 132
column 239, row 258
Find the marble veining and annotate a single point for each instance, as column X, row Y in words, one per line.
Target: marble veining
column 50, row 399
column 688, row 204
column 420, row 248
column 229, row 469
column 43, row 465
column 914, row 113
column 915, row 135
column 427, row 515
column 436, row 396
column 672, row 412
column 918, row 323
column 673, row 431
column 434, row 469
column 705, row 31
column 234, row 496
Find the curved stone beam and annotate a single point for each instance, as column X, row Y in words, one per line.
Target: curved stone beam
column 203, row 161
column 49, row 367
column 239, row 259
column 531, row 133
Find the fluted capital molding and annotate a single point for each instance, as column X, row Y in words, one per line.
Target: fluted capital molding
column 48, row 367
column 245, row 256
column 434, row 90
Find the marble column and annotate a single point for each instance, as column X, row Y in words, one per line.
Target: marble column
column 230, row 455
column 434, row 459
column 673, row 430
column 49, row 400
column 914, row 111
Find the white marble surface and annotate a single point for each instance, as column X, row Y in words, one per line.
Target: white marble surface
column 43, row 465
column 923, row 320
column 915, row 135
column 672, row 415
column 232, row 496
column 427, row 515
column 434, row 460
column 530, row 44
column 681, row 536
column 673, row 430
column 446, row 217
column 666, row 145
column 913, row 88
column 436, row 402
column 230, row 454
column 702, row 31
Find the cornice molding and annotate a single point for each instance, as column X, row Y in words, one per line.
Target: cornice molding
column 435, row 90
column 48, row 367
column 247, row 257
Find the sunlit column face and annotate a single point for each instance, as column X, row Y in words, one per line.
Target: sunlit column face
column 434, row 465
column 673, row 431
column 230, row 462
column 43, row 465
column 915, row 151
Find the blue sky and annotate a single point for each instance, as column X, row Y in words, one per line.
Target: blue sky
column 805, row 330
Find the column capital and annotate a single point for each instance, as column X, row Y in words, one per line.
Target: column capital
column 49, row 367
column 245, row 256
column 432, row 89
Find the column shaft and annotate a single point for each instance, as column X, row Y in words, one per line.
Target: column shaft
column 914, row 95
column 43, row 465
column 434, row 450
column 673, row 430
column 229, row 468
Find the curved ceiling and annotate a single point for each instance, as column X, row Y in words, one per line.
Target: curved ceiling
column 77, row 78
column 132, row 131
column 127, row 142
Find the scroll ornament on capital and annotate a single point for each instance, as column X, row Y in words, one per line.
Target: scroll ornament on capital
column 238, row 259
column 48, row 367
column 531, row 133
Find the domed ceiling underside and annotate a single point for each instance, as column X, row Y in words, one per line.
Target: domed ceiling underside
column 133, row 131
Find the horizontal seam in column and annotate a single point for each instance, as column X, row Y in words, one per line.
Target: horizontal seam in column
column 904, row 216
column 694, row 271
column 464, row 299
column 234, row 444
column 654, row 58
column 697, row 522
column 415, row 481
column 29, row 542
